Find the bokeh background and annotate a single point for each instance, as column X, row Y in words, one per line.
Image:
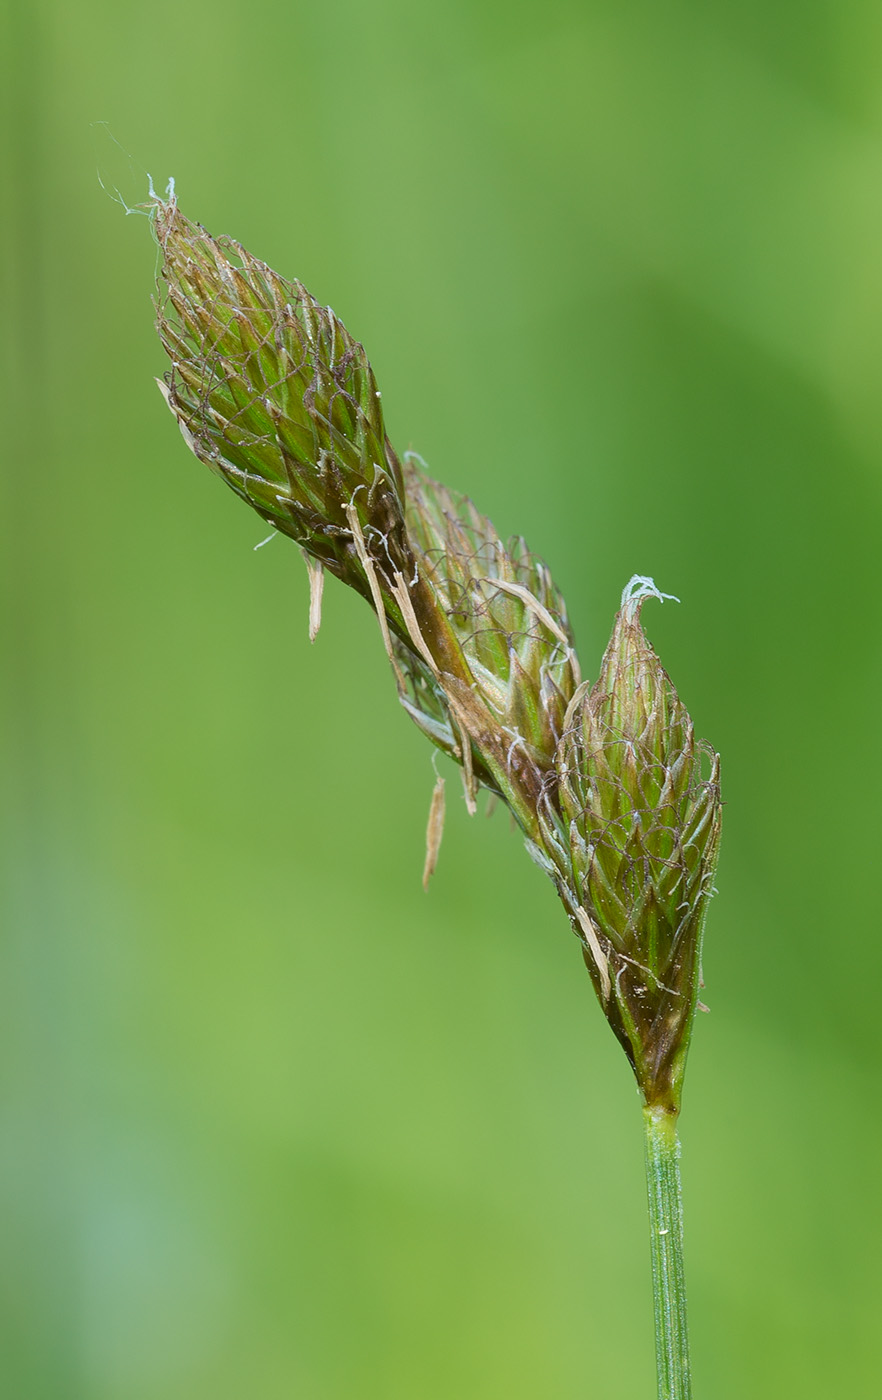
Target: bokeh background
column 275, row 1123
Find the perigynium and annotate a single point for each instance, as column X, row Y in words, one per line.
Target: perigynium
column 616, row 800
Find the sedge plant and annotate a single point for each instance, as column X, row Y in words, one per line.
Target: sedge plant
column 616, row 800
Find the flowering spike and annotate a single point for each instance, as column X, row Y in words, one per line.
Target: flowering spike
column 511, row 626
column 274, row 395
column 633, row 840
column 605, row 781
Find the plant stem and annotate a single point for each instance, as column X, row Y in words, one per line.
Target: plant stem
column 666, row 1243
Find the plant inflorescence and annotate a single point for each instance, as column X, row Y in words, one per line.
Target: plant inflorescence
column 616, row 800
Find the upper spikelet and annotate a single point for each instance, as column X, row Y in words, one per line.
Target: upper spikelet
column 276, row 397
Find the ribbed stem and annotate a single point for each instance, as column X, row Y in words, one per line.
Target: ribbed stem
column 666, row 1243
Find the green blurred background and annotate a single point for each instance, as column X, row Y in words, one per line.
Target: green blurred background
column 274, row 1122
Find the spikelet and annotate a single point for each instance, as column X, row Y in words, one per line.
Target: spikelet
column 632, row 837
column 511, row 626
column 274, row 395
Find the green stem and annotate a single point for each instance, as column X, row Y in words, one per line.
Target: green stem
column 666, row 1242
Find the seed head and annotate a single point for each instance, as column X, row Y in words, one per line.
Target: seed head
column 510, row 624
column 271, row 391
column 276, row 397
column 633, row 839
